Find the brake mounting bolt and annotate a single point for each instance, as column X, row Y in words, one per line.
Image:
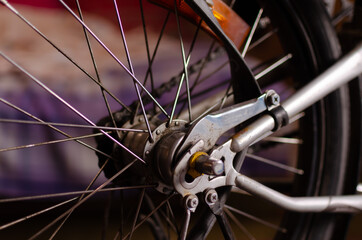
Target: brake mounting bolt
column 272, row 98
column 211, row 196
column 191, row 202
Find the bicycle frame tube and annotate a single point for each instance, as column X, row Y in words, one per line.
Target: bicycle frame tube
column 345, row 204
column 346, row 69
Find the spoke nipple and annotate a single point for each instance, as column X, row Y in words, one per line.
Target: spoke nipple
column 158, row 132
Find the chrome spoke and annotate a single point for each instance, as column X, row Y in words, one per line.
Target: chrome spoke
column 170, row 223
column 276, row 164
column 173, row 217
column 52, row 127
column 96, row 68
column 112, row 55
column 131, row 69
column 149, row 215
column 261, row 221
column 107, row 210
column 11, row 8
column 239, row 224
column 65, row 103
column 36, row 214
column 184, row 61
column 83, row 200
column 80, row 198
column 149, row 59
column 199, row 72
column 56, row 195
column 273, row 66
column 251, row 34
column 142, row 194
column 185, row 66
column 149, row 69
column 69, row 125
column 50, row 142
column 262, row 39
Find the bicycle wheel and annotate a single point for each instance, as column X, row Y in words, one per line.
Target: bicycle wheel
column 192, row 84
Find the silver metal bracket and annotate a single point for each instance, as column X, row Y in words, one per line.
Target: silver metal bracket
column 212, row 126
column 203, row 136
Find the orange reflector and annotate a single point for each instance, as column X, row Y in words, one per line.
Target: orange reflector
column 231, row 23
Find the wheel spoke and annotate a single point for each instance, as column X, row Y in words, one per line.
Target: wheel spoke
column 239, row 224
column 185, row 61
column 69, row 125
column 113, row 56
column 149, row 69
column 251, row 34
column 96, row 68
column 149, row 59
column 200, row 70
column 42, row 85
column 273, row 66
column 80, row 198
column 276, row 164
column 131, row 69
column 50, row 142
column 268, row 224
column 30, row 216
column 149, row 215
column 262, row 39
column 52, row 127
column 107, row 210
column 142, row 194
column 83, row 200
column 64, row 194
column 11, row 8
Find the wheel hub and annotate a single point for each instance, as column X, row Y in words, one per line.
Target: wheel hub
column 159, row 154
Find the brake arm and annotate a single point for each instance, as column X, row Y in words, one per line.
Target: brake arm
column 212, row 126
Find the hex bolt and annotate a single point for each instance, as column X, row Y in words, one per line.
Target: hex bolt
column 211, row 196
column 208, row 165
